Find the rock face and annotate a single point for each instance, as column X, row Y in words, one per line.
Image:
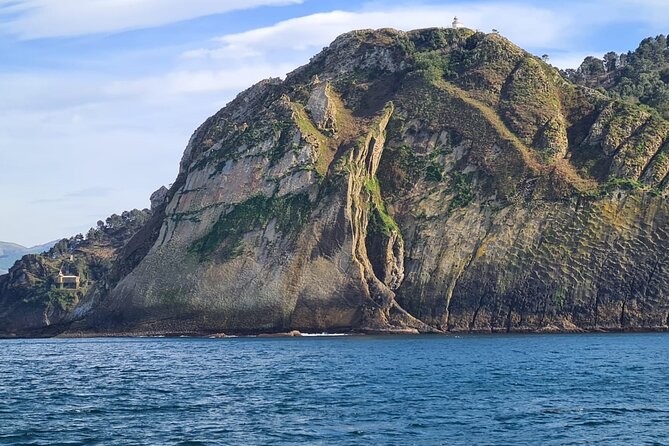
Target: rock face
column 159, row 198
column 435, row 180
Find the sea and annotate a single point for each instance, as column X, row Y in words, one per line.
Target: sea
column 577, row 389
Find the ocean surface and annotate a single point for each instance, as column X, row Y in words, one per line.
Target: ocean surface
column 425, row 390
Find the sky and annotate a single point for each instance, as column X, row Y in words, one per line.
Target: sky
column 98, row 98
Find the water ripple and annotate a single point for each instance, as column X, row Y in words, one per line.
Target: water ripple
column 454, row 390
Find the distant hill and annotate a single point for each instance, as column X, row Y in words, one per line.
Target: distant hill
column 11, row 252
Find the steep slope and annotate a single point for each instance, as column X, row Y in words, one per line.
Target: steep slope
column 435, row 180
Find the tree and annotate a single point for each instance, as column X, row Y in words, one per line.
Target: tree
column 92, row 234
column 114, row 221
column 622, row 60
column 590, row 72
column 60, row 248
column 545, row 58
column 640, row 76
column 571, row 75
column 592, row 67
column 611, row 61
column 664, row 75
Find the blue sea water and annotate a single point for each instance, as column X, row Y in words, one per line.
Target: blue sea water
column 423, row 390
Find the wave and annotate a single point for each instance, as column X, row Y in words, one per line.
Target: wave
column 313, row 335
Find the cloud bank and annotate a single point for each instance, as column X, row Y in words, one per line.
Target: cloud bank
column 31, row 19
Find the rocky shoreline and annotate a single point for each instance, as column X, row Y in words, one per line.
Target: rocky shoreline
column 298, row 334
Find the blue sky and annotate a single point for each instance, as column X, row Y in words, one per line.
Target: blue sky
column 99, row 97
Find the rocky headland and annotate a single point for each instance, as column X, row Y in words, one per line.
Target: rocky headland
column 438, row 180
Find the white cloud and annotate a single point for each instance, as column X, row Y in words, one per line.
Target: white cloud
column 31, row 19
column 525, row 25
column 561, row 29
column 189, row 82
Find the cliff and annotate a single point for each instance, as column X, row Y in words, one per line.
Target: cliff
column 430, row 181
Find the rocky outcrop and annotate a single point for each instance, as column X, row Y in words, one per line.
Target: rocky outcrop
column 159, row 198
column 321, row 107
column 431, row 181
column 32, row 303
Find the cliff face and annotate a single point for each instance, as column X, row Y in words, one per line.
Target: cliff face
column 426, row 181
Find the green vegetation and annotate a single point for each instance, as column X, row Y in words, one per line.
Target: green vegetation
column 116, row 230
column 90, row 257
column 63, row 299
column 640, row 76
column 403, row 168
column 43, row 292
column 625, row 184
column 380, row 222
column 435, row 64
column 234, row 138
column 373, row 188
column 283, row 143
column 460, row 185
column 307, row 128
column 530, row 107
column 592, row 161
column 193, row 216
column 231, row 138
column 439, row 38
column 291, row 213
column 559, row 298
column 433, row 172
column 314, row 136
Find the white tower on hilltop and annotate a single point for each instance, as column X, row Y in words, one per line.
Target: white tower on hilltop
column 457, row 23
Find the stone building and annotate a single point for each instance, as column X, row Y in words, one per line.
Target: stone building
column 67, row 282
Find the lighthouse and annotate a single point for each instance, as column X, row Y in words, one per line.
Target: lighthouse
column 457, row 23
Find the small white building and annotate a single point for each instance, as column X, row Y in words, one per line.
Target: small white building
column 457, row 23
